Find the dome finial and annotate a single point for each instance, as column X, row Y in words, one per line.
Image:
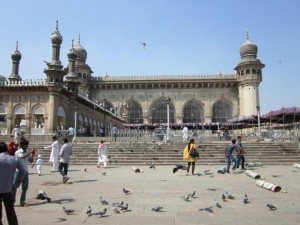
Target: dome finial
column 72, row 42
column 79, row 39
column 17, row 46
column 247, row 35
column 57, row 25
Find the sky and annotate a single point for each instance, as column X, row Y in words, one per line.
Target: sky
column 183, row 37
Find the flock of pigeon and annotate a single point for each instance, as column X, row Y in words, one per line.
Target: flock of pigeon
column 121, row 207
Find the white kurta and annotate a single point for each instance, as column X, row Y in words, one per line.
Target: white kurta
column 54, row 151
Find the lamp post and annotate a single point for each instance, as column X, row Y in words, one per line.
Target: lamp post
column 75, row 125
column 168, row 118
column 258, row 118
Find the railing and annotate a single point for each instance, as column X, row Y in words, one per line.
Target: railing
column 152, row 136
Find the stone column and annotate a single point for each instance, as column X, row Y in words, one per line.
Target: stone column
column 9, row 123
column 52, row 112
column 207, row 112
column 28, row 118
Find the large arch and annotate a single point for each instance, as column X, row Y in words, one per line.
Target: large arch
column 193, row 112
column 158, row 111
column 135, row 113
column 221, row 111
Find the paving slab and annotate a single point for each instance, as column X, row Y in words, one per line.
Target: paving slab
column 161, row 187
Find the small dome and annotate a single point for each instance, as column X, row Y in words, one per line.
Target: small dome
column 248, row 48
column 72, row 54
column 56, row 37
column 16, row 55
column 81, row 52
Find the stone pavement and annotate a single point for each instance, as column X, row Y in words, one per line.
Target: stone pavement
column 161, row 187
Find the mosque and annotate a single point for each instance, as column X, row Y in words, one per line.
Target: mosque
column 73, row 93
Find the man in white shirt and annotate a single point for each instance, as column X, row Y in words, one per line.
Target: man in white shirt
column 16, row 133
column 54, row 153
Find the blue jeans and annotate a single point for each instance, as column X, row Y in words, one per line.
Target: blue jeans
column 63, row 168
column 25, row 184
column 229, row 159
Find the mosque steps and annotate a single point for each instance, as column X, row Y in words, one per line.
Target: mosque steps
column 213, row 154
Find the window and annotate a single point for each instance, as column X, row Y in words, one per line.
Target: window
column 222, row 111
column 193, row 112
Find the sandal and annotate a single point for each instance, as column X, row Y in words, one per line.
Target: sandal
column 24, row 204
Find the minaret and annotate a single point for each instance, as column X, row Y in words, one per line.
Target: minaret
column 71, row 79
column 16, row 57
column 54, row 70
column 249, row 76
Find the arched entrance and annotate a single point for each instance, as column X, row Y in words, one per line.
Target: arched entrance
column 61, row 118
column 38, row 120
column 19, row 117
column 3, row 120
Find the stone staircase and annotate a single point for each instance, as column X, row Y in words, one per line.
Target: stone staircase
column 85, row 153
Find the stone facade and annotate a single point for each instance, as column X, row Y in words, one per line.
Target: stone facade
column 102, row 101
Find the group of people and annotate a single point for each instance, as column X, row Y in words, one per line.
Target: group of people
column 14, row 160
column 64, row 152
column 14, row 173
column 238, row 161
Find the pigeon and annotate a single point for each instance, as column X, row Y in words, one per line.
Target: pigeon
column 229, row 195
column 101, row 213
column 117, row 204
column 217, row 203
column 186, row 197
column 89, row 210
column 103, row 202
column 223, row 198
column 192, row 195
column 68, row 211
column 245, row 199
column 271, row 207
column 157, row 209
column 126, row 191
column 144, row 45
column 124, row 207
column 42, row 196
column 179, row 167
column 152, row 166
column 116, row 210
column 85, row 170
column 104, row 173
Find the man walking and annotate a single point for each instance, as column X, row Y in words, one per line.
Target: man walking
column 24, row 156
column 228, row 154
column 8, row 165
column 65, row 153
column 241, row 152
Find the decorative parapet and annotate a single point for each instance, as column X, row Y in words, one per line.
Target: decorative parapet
column 24, row 83
column 164, row 77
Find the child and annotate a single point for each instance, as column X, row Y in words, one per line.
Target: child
column 39, row 164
